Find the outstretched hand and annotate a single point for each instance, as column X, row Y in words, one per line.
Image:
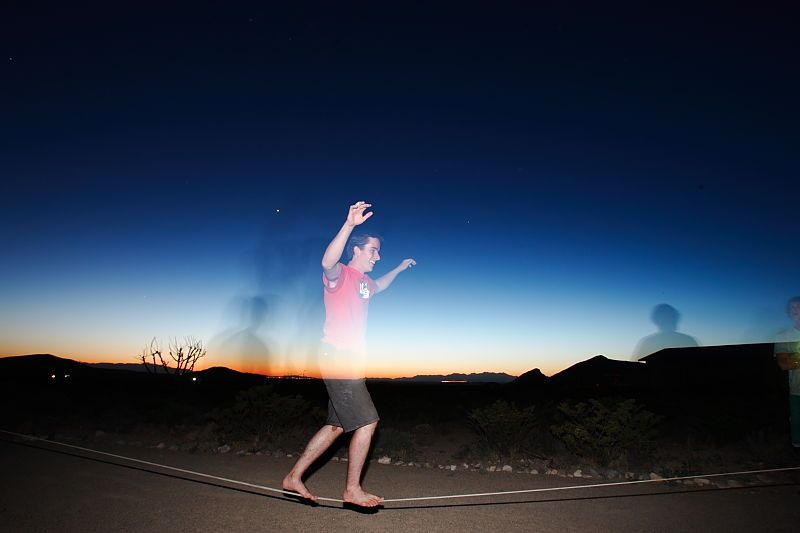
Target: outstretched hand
column 407, row 263
column 356, row 215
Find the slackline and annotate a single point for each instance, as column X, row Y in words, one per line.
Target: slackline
column 391, row 500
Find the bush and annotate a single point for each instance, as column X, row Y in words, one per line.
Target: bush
column 423, row 434
column 396, row 444
column 503, row 427
column 260, row 413
column 606, row 431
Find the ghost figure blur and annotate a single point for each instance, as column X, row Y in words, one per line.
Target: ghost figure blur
column 245, row 344
column 666, row 318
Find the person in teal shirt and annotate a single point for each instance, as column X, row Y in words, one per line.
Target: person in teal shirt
column 787, row 355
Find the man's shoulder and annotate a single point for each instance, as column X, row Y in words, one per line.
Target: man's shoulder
column 348, row 272
column 332, row 278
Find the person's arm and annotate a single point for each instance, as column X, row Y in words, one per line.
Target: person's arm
column 330, row 259
column 787, row 361
column 384, row 281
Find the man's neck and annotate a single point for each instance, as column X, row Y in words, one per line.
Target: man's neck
column 352, row 265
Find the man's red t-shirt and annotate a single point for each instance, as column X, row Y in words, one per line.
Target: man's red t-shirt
column 346, row 307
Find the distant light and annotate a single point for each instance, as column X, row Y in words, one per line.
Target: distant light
column 66, row 376
column 194, row 379
column 53, row 376
column 277, row 210
column 454, row 381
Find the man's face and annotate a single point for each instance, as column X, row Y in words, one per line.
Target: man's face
column 794, row 313
column 366, row 257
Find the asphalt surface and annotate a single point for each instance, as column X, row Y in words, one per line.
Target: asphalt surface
column 47, row 488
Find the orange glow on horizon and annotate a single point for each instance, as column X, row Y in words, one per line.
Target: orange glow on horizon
column 379, row 369
column 373, row 372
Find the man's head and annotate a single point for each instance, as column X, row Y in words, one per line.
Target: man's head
column 363, row 251
column 793, row 310
column 665, row 317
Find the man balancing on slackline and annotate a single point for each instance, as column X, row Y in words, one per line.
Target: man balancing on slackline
column 342, row 355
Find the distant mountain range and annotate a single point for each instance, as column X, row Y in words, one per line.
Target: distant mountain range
column 587, row 372
column 133, row 367
column 482, row 377
column 35, row 364
column 48, row 367
column 748, row 367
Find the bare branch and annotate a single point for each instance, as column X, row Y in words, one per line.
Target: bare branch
column 163, row 362
column 143, row 358
column 176, row 352
column 194, row 351
column 184, row 355
column 148, row 356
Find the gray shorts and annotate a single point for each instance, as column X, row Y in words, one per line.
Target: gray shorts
column 350, row 405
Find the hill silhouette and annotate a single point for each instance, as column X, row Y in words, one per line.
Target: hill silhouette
column 751, row 366
column 221, row 374
column 601, row 373
column 746, row 368
column 39, row 365
column 42, row 368
column 531, row 378
column 597, row 375
column 133, row 367
column 48, row 367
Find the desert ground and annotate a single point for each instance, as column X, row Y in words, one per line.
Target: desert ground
column 438, row 439
column 48, row 487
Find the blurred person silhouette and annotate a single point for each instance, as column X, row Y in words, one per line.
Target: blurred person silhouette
column 347, row 291
column 666, row 318
column 243, row 343
column 787, row 355
column 282, row 264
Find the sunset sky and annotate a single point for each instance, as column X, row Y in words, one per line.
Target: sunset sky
column 556, row 169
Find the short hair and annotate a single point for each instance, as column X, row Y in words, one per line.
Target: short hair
column 665, row 317
column 360, row 240
column 792, row 300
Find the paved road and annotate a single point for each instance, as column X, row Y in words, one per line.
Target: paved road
column 45, row 489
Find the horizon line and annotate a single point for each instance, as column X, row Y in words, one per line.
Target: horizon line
column 309, row 375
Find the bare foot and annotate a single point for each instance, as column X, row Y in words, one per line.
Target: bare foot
column 359, row 497
column 295, row 485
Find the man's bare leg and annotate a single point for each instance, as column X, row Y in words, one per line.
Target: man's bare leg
column 320, row 442
column 357, row 456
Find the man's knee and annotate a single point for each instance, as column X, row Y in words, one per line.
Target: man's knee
column 338, row 430
column 368, row 428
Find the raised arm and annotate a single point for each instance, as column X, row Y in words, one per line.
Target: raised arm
column 384, row 281
column 333, row 253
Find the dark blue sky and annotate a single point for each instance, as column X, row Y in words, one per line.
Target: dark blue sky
column 556, row 170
